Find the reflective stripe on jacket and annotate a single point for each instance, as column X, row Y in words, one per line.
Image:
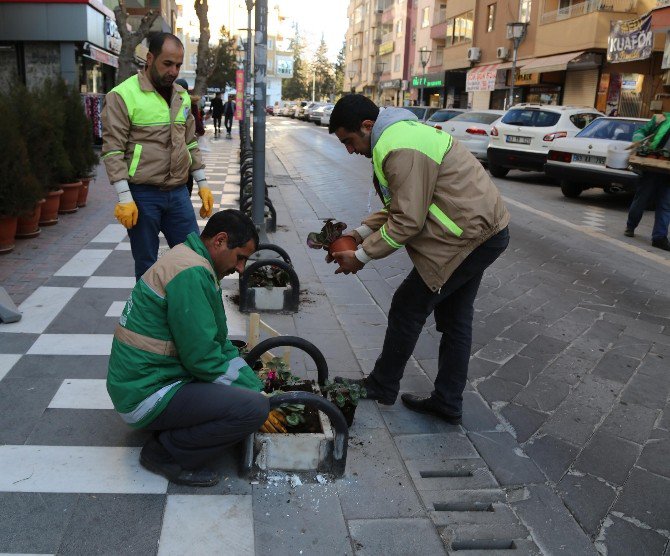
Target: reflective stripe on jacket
column 172, row 331
column 439, row 201
column 145, row 141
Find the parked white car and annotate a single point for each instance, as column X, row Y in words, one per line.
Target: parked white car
column 325, row 116
column 439, row 117
column 524, row 135
column 579, row 161
column 422, row 112
column 318, row 114
column 472, row 129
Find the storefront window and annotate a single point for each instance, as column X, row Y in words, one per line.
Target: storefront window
column 545, row 94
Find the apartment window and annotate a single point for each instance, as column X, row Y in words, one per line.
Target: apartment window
column 398, row 28
column 490, row 17
column 358, row 14
column 270, row 64
column 357, row 41
column 366, row 38
column 365, row 65
column 524, row 11
column 396, row 63
column 271, row 44
column 425, row 19
column 439, row 55
column 459, row 29
column 351, row 45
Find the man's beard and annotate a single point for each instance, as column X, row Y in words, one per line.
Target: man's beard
column 162, row 83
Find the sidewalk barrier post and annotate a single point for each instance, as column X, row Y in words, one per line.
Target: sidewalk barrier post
column 290, row 296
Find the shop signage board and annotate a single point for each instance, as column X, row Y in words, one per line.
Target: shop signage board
column 481, row 79
column 239, row 97
column 112, row 36
column 102, row 56
column 284, row 65
column 386, row 48
column 428, row 81
column 630, row 40
column 391, row 84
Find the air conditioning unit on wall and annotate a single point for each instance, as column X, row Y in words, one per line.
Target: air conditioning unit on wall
column 474, row 54
column 502, row 52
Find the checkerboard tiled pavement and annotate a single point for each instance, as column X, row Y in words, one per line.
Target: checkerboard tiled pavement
column 70, row 482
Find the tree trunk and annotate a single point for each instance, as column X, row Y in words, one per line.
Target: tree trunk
column 202, row 69
column 130, row 40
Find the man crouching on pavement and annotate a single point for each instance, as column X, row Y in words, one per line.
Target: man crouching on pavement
column 441, row 205
column 173, row 369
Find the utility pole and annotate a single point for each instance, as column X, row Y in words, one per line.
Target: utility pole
column 260, row 91
column 247, row 77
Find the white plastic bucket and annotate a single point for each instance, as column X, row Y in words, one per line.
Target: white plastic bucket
column 617, row 156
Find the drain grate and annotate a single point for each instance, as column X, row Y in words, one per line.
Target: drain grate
column 483, row 544
column 463, row 507
column 442, row 473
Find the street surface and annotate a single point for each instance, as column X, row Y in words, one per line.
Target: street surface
column 566, row 436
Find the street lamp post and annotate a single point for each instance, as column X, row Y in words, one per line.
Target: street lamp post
column 380, row 69
column 517, row 32
column 352, row 74
column 424, row 58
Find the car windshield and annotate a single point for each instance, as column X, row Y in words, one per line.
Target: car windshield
column 531, row 117
column 477, row 117
column 417, row 111
column 443, row 115
column 604, row 128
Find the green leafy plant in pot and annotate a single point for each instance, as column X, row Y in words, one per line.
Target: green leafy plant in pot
column 346, row 396
column 331, row 239
column 19, row 189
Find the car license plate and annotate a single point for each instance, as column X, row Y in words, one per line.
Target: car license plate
column 589, row 159
column 517, row 139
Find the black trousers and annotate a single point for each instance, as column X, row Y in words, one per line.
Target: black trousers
column 203, row 419
column 453, row 306
column 228, row 122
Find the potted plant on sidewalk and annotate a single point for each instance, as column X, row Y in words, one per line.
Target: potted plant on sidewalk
column 72, row 112
column 19, row 190
column 345, row 395
column 331, row 239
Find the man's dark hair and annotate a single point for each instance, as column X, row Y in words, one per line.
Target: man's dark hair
column 236, row 224
column 351, row 111
column 217, row 94
column 157, row 39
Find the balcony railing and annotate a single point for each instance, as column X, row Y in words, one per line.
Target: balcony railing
column 589, row 6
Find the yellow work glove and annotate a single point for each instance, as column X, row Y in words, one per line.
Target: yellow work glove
column 205, row 193
column 126, row 213
column 276, row 422
column 126, row 210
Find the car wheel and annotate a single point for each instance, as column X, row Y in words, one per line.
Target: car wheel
column 498, row 171
column 571, row 190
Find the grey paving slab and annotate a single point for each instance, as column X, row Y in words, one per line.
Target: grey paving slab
column 400, row 420
column 573, row 422
column 60, row 366
column 622, row 538
column 587, row 498
column 510, row 465
column 33, row 522
column 645, row 497
column 16, row 343
column 118, row 263
column 395, row 537
column 523, row 332
column 552, row 527
column 521, row 369
column 608, row 457
column 306, row 519
column 568, row 367
column 552, row 455
column 435, row 448
column 22, row 402
column 631, row 346
column 543, row 394
column 66, row 281
column 367, row 416
column 480, row 368
column 541, row 346
column 84, row 427
column 524, row 420
column 85, row 313
column 630, row 421
column 376, row 484
column 500, row 350
column 477, row 416
column 494, row 389
column 114, row 524
column 649, row 391
column 655, row 456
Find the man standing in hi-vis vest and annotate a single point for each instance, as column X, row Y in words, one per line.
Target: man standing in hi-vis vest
column 149, row 148
column 441, row 205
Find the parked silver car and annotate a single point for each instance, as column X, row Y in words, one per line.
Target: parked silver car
column 444, row 115
column 473, row 129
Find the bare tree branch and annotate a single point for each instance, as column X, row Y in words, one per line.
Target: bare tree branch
column 203, row 67
column 130, row 39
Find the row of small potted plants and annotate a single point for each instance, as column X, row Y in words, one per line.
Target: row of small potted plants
column 49, row 158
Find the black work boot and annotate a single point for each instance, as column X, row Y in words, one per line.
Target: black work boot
column 629, row 232
column 372, row 391
column 429, row 405
column 155, row 458
column 662, row 243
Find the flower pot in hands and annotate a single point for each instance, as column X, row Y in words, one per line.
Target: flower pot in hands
column 344, row 243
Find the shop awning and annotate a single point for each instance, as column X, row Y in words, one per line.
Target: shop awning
column 549, row 63
column 481, row 78
column 100, row 55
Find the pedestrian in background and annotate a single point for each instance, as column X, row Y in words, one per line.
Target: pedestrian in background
column 199, row 127
column 441, row 205
column 228, row 113
column 149, row 148
column 653, row 185
column 172, row 368
column 216, row 108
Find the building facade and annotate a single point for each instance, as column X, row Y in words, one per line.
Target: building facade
column 461, row 53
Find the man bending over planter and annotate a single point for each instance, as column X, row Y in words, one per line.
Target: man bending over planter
column 173, row 369
column 441, row 205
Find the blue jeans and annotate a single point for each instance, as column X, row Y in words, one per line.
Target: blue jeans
column 170, row 212
column 453, row 306
column 652, row 186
